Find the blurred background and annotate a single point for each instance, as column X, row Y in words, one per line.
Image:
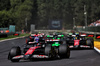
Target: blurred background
column 48, row 14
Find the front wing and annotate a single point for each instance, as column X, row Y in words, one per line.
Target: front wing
column 33, row 56
column 79, row 46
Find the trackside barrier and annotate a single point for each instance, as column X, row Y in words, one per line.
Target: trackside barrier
column 91, row 34
column 3, row 35
column 90, row 29
column 97, row 36
column 48, row 31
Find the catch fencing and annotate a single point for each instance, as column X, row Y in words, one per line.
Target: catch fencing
column 90, row 29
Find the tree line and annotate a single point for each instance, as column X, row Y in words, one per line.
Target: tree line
column 22, row 13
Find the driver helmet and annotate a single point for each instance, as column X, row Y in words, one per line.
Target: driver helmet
column 36, row 39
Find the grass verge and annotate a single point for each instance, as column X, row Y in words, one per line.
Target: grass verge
column 12, row 36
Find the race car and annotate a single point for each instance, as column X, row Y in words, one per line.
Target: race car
column 59, row 44
column 79, row 41
column 36, row 49
column 31, row 51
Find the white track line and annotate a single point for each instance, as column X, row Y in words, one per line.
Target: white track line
column 97, row 49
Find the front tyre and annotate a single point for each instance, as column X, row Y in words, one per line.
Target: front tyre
column 15, row 51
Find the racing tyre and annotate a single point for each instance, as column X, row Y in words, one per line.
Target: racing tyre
column 15, row 51
column 64, row 51
column 49, row 51
column 90, row 43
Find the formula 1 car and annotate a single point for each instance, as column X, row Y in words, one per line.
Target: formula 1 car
column 34, row 50
column 37, row 50
column 60, row 45
column 79, row 41
column 31, row 38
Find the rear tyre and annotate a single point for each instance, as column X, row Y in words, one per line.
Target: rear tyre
column 49, row 51
column 90, row 43
column 64, row 51
column 15, row 51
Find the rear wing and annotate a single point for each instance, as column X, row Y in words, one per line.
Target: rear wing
column 34, row 35
column 83, row 35
column 53, row 40
column 60, row 35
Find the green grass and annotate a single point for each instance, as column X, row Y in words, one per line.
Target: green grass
column 12, row 36
column 97, row 39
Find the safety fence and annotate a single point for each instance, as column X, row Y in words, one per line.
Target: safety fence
column 90, row 29
column 3, row 35
column 11, row 28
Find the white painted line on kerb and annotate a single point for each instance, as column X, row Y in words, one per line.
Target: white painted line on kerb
column 12, row 38
column 97, row 49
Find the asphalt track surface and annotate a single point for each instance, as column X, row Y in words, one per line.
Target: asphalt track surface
column 81, row 57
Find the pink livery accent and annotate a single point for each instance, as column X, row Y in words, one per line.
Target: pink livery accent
column 40, row 56
column 31, row 50
column 76, row 42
